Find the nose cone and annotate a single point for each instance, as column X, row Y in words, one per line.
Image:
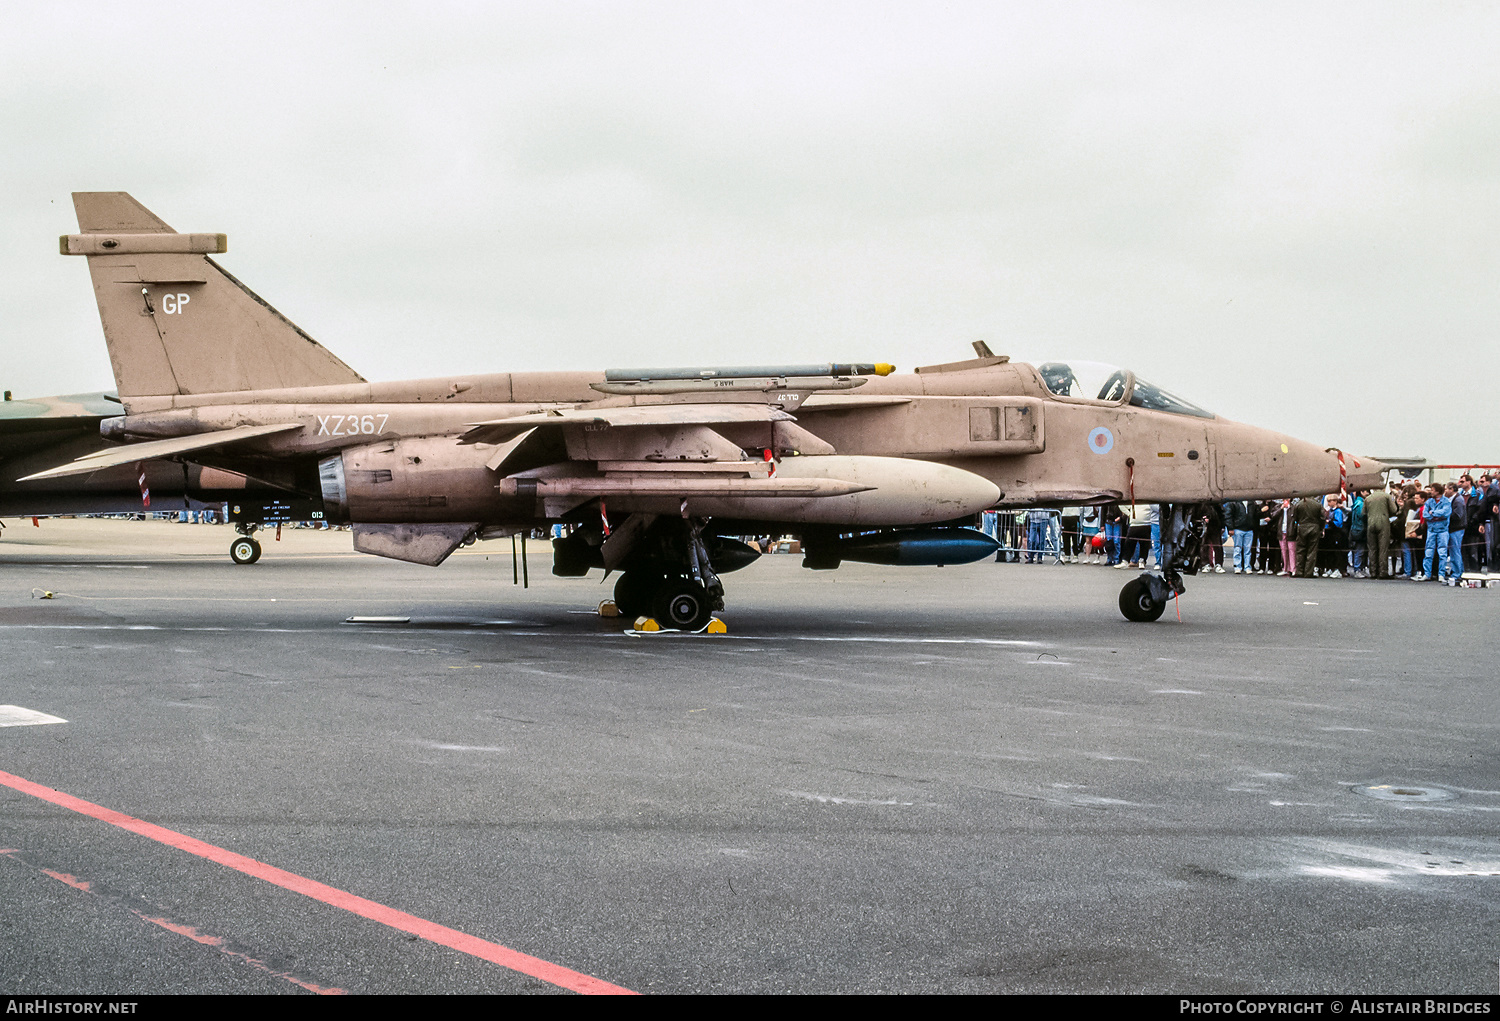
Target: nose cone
column 1308, row 469
column 1255, row 463
column 1364, row 472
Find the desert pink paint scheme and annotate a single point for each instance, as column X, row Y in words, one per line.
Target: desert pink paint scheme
column 654, row 470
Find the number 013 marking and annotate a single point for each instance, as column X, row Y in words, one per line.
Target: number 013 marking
column 351, row 425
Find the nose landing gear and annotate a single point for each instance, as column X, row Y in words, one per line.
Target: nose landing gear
column 1145, row 598
column 1138, row 604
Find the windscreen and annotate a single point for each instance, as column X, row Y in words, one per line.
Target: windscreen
column 1090, row 381
column 1154, row 398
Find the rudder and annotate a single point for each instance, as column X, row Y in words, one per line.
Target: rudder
column 174, row 321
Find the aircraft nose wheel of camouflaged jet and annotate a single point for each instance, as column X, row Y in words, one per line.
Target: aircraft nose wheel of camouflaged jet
column 1137, row 603
column 683, row 605
column 244, row 550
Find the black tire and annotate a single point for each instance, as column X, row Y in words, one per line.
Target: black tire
column 244, row 550
column 635, row 592
column 1137, row 605
column 683, row 605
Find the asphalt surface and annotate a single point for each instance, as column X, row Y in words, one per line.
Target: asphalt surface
column 967, row 779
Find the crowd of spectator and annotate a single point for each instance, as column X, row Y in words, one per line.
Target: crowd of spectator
column 1425, row 533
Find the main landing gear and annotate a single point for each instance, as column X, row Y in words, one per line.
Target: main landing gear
column 679, row 602
column 669, row 566
column 676, row 583
column 1144, row 599
column 245, row 549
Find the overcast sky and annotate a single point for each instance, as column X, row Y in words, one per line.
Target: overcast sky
column 1288, row 213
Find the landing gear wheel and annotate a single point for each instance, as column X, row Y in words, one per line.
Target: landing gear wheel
column 244, row 550
column 635, row 591
column 1137, row 605
column 683, row 605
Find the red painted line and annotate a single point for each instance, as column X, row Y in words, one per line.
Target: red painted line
column 182, row 930
column 218, row 944
column 440, row 934
column 73, row 881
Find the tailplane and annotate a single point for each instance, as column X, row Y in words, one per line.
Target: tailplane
column 174, row 321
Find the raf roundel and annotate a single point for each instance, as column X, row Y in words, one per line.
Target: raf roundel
column 1101, row 440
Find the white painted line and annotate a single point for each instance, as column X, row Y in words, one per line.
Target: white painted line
column 439, row 746
column 478, row 627
column 829, row 799
column 876, row 640
column 18, row 716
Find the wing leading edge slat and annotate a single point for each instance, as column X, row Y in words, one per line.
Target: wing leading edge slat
column 129, row 452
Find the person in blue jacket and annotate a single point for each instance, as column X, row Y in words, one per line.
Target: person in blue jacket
column 1435, row 514
column 1457, row 520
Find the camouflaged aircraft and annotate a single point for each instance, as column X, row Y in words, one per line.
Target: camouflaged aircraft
column 655, row 470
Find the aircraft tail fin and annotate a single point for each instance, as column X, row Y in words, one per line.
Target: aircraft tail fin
column 174, row 321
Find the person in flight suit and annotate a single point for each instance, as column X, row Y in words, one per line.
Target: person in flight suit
column 1309, row 517
column 1378, row 514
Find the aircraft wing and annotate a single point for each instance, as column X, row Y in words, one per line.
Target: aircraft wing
column 130, row 452
column 29, row 426
column 499, row 430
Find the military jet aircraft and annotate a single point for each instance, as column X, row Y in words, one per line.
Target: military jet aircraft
column 655, row 469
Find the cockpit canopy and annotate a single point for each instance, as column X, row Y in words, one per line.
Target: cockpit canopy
column 1097, row 382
